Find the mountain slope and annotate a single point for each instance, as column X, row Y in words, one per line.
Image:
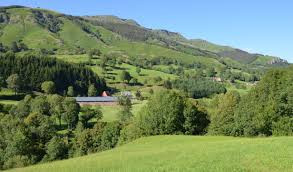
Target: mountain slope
column 184, row 153
column 133, row 31
column 64, row 34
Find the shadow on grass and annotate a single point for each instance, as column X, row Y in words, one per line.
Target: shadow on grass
column 17, row 97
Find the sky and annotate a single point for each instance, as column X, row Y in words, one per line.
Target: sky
column 257, row 26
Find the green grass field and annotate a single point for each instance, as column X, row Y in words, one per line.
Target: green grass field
column 110, row 113
column 184, row 153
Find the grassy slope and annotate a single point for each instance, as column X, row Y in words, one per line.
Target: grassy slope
column 184, row 153
column 146, row 74
column 24, row 27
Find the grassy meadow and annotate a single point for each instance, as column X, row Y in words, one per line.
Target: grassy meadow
column 184, row 153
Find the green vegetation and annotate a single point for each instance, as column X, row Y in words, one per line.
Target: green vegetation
column 165, row 84
column 199, row 87
column 27, row 73
column 184, row 153
column 265, row 110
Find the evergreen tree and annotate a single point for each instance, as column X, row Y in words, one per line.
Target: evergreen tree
column 92, row 91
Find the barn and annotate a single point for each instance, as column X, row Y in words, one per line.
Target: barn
column 94, row 101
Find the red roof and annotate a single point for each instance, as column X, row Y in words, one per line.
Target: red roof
column 105, row 94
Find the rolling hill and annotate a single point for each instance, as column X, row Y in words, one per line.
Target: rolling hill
column 65, row 34
column 184, row 153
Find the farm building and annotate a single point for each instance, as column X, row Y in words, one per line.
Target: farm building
column 102, row 101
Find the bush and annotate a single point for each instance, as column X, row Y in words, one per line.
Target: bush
column 17, row 161
column 283, row 127
column 56, row 149
column 110, row 135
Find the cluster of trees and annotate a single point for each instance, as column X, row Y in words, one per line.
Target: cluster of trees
column 32, row 71
column 232, row 76
column 47, row 20
column 199, row 87
column 29, row 131
column 266, row 110
column 167, row 112
column 15, row 47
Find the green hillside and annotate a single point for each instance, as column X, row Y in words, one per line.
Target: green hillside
column 184, row 153
column 64, row 34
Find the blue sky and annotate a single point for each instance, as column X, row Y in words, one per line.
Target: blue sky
column 261, row 26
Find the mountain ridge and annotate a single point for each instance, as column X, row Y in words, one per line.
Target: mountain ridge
column 41, row 28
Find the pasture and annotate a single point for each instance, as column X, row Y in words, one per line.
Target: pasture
column 184, row 153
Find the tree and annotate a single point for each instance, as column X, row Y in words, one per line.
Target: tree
column 210, row 72
column 41, row 105
column 125, row 114
column 13, row 82
column 70, row 91
column 41, row 129
column 110, row 135
column 14, row 47
column 138, row 95
column 138, row 70
column 71, row 111
column 163, row 114
column 2, row 48
column 56, row 149
column 2, row 82
column 95, row 52
column 112, row 62
column 48, row 87
column 104, row 61
column 56, row 108
column 134, row 81
column 196, row 121
column 92, row 91
column 88, row 113
column 125, row 76
column 167, row 84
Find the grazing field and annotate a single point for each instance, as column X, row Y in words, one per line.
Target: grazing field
column 184, row 153
column 110, row 113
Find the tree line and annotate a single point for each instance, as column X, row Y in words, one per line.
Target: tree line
column 34, row 70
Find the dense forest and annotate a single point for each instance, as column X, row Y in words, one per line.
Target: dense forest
column 34, row 70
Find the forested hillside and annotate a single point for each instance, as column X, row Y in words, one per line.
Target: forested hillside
column 33, row 70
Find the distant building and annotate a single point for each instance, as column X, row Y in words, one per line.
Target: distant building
column 217, row 79
column 102, row 101
column 127, row 93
